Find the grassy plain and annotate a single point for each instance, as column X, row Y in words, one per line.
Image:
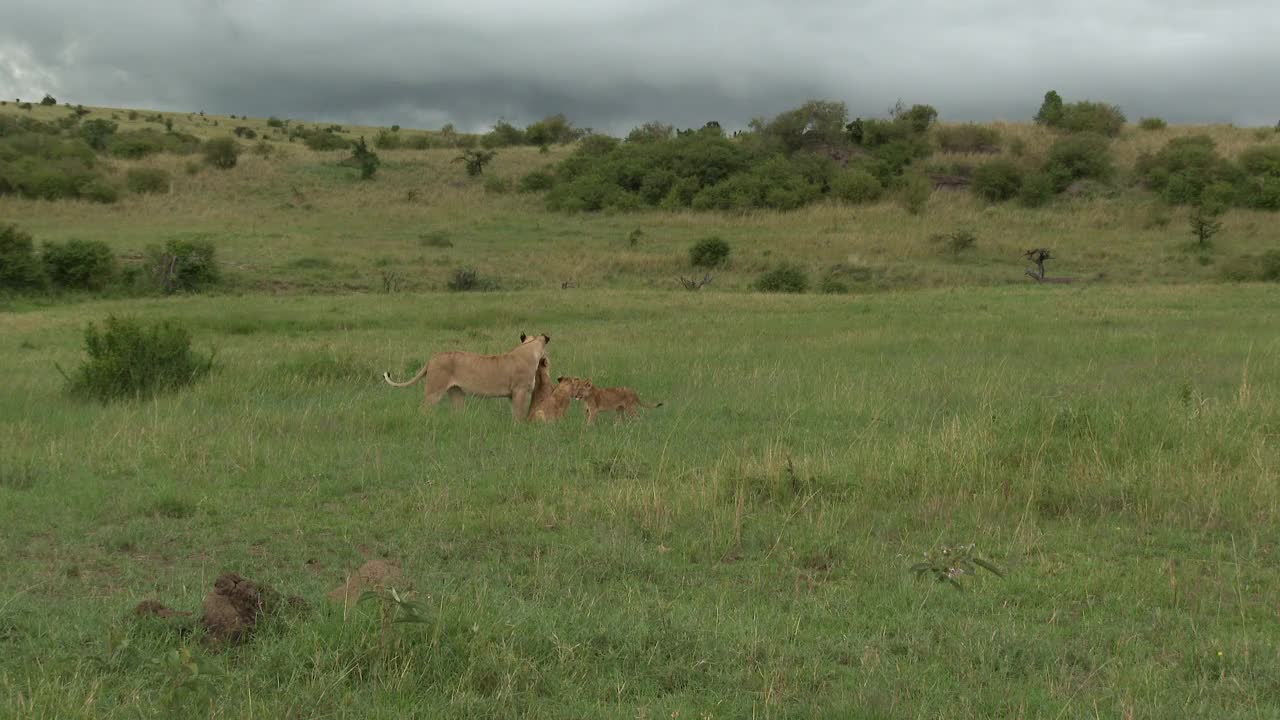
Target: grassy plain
column 741, row 552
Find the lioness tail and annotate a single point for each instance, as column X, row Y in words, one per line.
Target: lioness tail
column 421, row 374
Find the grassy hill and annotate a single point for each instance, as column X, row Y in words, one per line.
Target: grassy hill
column 297, row 220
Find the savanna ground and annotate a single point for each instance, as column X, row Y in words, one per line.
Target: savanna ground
column 744, row 550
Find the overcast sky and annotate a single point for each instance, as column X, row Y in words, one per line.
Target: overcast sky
column 612, row 64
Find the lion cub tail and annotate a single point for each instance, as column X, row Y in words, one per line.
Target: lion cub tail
column 421, row 374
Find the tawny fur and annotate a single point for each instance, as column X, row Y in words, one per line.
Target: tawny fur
column 512, row 374
column 621, row 400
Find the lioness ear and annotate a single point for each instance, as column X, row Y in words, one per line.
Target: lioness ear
column 522, row 337
column 545, row 338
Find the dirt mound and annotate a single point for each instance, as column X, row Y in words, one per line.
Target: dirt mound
column 373, row 575
column 153, row 608
column 235, row 606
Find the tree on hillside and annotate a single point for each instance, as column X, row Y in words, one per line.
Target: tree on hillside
column 1050, row 112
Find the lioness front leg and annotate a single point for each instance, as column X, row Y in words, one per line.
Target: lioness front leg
column 520, row 404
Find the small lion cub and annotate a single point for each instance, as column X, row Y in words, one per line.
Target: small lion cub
column 549, row 401
column 622, row 400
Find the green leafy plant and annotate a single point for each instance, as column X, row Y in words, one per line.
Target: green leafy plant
column 475, row 160
column 183, row 265
column 709, row 252
column 997, row 181
column 949, row 564
column 147, row 180
column 365, row 159
column 127, row 359
column 79, row 264
column 20, row 269
column 1205, row 222
column 222, row 153
column 786, row 278
column 394, row 608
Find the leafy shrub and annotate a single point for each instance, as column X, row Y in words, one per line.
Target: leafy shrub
column 136, row 144
column 997, row 181
column 1152, row 123
column 386, row 140
column 262, row 148
column 128, row 360
column 475, row 160
column 504, row 134
column 1092, row 117
column 777, row 183
column 1084, row 116
column 324, row 140
column 536, row 181
column 20, row 269
column 421, row 141
column 786, row 278
column 856, row 185
column 100, row 190
column 147, row 180
column 709, row 252
column 48, row 100
column 97, row 133
column 497, row 185
column 222, row 153
column 915, row 192
column 1037, row 190
column 275, row 122
column 79, row 264
column 465, row 279
column 1184, row 168
column 183, row 265
column 814, row 124
column 242, row 131
column 1078, row 157
column 967, row 138
column 365, row 159
column 41, row 166
column 650, row 132
column 958, row 241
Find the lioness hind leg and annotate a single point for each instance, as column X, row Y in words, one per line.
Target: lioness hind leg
column 457, row 398
column 434, row 391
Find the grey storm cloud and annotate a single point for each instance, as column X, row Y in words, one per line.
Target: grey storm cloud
column 612, row 65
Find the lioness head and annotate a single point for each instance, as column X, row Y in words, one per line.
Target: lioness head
column 545, row 338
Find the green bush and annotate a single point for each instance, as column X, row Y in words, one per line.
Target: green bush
column 183, row 265
column 100, row 190
column 1184, row 168
column 1078, row 157
column 387, row 140
column 967, row 138
column 997, row 181
column 536, row 181
column 1152, row 123
column 222, row 153
column 128, row 360
column 856, row 185
column 1037, row 190
column 97, row 133
column 147, row 180
column 786, row 278
column 365, row 159
column 1085, row 116
column 275, row 122
column 137, row 144
column 496, row 185
column 915, row 190
column 79, row 264
column 20, row 269
column 465, row 279
column 709, row 252
column 504, row 134
column 324, row 140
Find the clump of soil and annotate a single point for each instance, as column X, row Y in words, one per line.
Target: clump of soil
column 153, row 608
column 235, row 606
column 373, row 575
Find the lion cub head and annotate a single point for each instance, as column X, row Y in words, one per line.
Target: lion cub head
column 578, row 387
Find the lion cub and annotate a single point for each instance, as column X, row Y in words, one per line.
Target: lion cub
column 621, row 400
column 549, row 401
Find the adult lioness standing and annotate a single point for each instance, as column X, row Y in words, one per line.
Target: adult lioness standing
column 510, row 375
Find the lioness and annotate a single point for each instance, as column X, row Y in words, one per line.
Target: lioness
column 549, row 401
column 622, row 400
column 511, row 375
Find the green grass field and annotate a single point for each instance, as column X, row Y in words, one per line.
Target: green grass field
column 745, row 550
